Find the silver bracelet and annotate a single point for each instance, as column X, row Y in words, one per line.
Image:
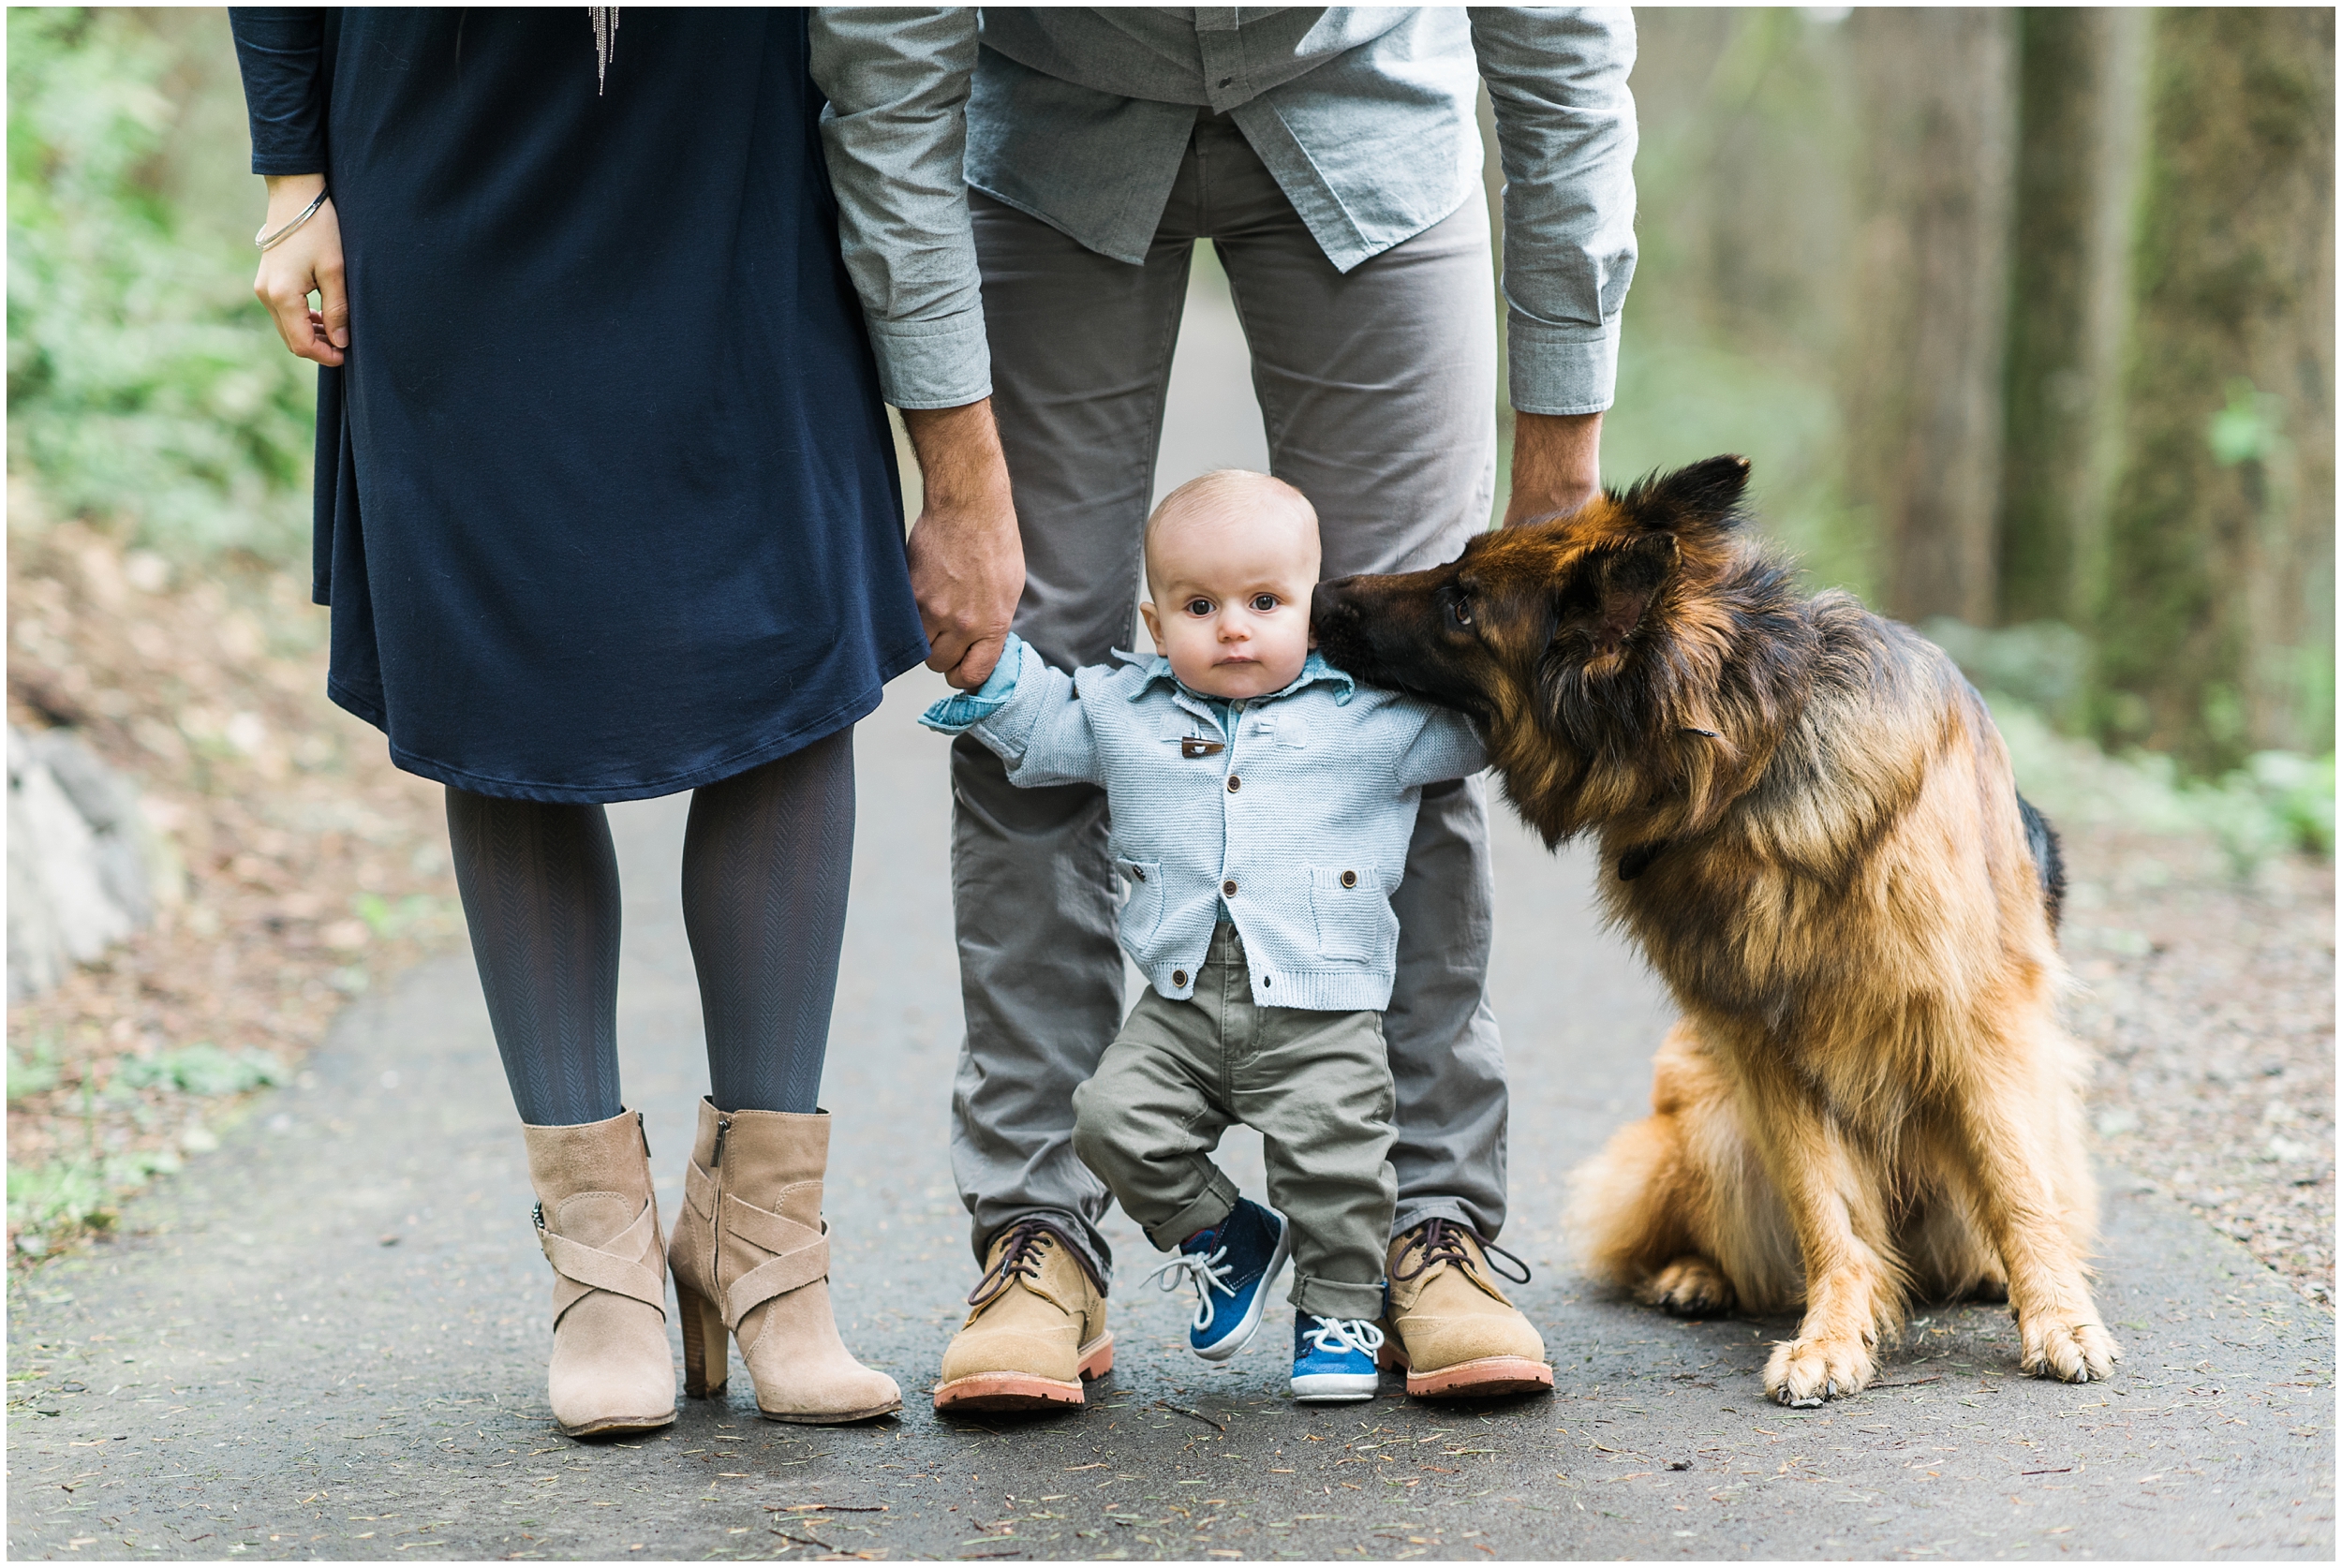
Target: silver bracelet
column 270, row 242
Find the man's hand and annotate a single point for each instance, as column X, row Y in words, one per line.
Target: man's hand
column 966, row 562
column 308, row 260
column 1557, row 465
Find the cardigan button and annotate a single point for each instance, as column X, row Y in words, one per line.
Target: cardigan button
column 1179, row 977
column 1235, row 783
column 1227, row 888
column 1349, row 879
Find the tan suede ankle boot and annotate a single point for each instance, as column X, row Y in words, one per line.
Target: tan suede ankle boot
column 752, row 1258
column 598, row 1224
column 1450, row 1327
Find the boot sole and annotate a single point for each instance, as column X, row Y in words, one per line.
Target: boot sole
column 614, row 1423
column 1490, row 1377
column 1015, row 1391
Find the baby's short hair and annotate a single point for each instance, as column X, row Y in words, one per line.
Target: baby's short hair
column 1224, row 487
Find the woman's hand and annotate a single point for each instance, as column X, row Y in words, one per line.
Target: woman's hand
column 309, row 259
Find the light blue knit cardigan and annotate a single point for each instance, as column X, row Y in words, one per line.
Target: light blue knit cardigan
column 1297, row 815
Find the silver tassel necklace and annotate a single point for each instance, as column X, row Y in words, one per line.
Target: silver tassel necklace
column 605, row 19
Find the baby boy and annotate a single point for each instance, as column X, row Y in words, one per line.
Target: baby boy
column 1262, row 803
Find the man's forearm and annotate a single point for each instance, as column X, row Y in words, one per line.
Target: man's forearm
column 1557, row 465
column 960, row 463
column 966, row 562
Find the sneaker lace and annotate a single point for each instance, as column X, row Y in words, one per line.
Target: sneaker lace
column 1444, row 1243
column 1345, row 1333
column 1020, row 1259
column 1207, row 1273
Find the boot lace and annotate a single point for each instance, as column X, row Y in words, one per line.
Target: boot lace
column 1343, row 1334
column 1444, row 1243
column 1027, row 1245
column 1206, row 1272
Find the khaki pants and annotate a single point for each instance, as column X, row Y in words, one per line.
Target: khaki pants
column 1379, row 389
column 1317, row 1087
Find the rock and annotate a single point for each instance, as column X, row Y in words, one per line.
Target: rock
column 80, row 869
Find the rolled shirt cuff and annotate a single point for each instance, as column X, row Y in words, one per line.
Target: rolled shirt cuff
column 942, row 363
column 1559, row 370
column 964, row 710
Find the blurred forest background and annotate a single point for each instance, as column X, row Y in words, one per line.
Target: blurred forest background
column 2026, row 318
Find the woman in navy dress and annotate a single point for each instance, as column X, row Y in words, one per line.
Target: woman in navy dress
column 606, row 508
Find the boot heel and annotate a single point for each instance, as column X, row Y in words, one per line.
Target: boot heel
column 704, row 1345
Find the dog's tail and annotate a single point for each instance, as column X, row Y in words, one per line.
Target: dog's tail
column 2049, row 858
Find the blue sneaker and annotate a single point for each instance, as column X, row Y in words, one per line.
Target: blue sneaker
column 1333, row 1359
column 1231, row 1267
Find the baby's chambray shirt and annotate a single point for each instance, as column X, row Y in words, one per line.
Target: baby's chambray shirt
column 1295, row 814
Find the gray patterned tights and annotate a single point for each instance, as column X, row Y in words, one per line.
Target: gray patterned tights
column 766, row 863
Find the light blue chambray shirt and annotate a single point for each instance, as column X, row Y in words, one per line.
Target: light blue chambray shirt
column 1364, row 114
column 1289, row 814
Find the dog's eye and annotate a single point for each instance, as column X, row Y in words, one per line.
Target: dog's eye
column 1461, row 611
column 1263, row 603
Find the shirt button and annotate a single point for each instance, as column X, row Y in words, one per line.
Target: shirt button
column 1179, row 977
column 1349, row 879
column 1227, row 888
column 1235, row 783
column 1266, row 980
column 1225, row 80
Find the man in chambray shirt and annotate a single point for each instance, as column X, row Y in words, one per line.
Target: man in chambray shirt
column 1019, row 193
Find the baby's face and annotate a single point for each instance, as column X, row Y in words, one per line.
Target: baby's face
column 1230, row 594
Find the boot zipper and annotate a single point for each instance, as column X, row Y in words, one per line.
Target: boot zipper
column 715, row 1157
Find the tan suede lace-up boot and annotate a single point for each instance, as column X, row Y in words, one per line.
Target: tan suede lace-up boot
column 598, row 1224
column 1036, row 1328
column 752, row 1261
column 1448, row 1325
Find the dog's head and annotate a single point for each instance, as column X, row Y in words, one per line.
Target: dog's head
column 1589, row 646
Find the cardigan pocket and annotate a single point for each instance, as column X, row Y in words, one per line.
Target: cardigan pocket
column 1354, row 924
column 1142, row 900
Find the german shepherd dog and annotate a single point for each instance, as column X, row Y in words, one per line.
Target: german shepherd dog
column 1808, row 821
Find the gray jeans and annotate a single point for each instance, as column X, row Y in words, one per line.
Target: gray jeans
column 1315, row 1085
column 1378, row 388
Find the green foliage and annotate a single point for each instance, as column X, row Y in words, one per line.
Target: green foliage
column 2249, row 428
column 203, row 1069
column 2035, row 679
column 145, row 384
column 35, row 1073
column 1683, row 395
column 76, row 1194
column 387, row 920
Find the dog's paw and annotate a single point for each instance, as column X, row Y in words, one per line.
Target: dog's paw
column 2067, row 1346
column 1807, row 1371
column 1690, row 1287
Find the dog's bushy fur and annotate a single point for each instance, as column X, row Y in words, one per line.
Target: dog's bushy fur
column 1807, row 820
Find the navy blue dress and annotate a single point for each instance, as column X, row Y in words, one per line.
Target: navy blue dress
column 606, row 502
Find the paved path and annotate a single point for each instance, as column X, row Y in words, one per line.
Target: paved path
column 328, row 1339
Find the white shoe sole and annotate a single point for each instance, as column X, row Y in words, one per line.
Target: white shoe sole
column 1333, row 1389
column 1241, row 1335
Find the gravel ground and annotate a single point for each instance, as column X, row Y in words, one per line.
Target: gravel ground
column 2210, row 1002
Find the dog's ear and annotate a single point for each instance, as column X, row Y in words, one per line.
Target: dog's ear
column 1705, row 496
column 1612, row 589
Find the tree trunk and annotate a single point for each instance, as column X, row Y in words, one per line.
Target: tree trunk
column 1924, row 349
column 2080, row 112
column 2216, row 630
